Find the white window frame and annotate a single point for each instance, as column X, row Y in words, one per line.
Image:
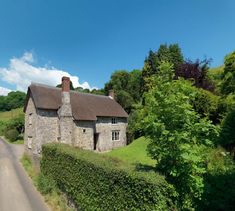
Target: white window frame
column 114, row 121
column 115, row 135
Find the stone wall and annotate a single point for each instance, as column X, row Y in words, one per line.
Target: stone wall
column 47, row 130
column 30, row 127
column 42, row 128
column 83, row 135
column 105, row 127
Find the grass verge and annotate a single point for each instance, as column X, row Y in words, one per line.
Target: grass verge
column 53, row 197
column 19, row 141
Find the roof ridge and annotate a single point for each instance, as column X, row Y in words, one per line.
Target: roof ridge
column 44, row 85
column 82, row 93
column 71, row 91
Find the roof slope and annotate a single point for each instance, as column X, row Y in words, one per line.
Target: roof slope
column 84, row 106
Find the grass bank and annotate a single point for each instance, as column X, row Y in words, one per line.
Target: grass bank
column 19, row 141
column 134, row 154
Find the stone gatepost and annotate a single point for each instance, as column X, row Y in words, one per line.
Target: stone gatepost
column 65, row 113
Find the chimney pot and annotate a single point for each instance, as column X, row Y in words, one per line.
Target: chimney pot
column 65, row 84
column 111, row 94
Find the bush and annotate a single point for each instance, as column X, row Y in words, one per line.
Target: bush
column 134, row 129
column 219, row 191
column 206, row 105
column 12, row 135
column 2, row 128
column 97, row 182
column 227, row 135
column 226, row 104
column 16, row 123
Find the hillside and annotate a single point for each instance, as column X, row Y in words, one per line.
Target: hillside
column 8, row 115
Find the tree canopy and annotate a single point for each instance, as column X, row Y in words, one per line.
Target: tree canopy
column 127, row 87
column 12, row 100
column 171, row 53
column 228, row 77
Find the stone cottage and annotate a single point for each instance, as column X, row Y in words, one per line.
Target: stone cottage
column 92, row 122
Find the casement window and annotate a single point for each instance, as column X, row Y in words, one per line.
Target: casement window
column 30, row 142
column 30, row 118
column 114, row 120
column 115, row 135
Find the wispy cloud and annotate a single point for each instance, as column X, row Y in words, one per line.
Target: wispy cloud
column 22, row 71
column 4, row 91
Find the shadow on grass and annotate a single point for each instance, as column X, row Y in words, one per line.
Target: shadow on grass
column 144, row 168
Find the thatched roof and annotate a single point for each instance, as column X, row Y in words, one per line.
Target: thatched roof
column 84, row 106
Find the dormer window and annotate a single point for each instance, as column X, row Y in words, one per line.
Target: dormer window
column 114, row 120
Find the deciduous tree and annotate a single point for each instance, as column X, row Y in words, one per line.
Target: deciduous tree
column 178, row 136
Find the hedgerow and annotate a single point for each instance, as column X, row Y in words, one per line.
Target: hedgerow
column 97, row 182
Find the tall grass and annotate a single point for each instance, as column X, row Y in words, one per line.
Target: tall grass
column 8, row 115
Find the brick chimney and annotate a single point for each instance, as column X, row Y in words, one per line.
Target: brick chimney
column 111, row 94
column 65, row 113
column 65, row 84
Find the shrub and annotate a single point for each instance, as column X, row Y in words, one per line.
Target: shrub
column 2, row 127
column 17, row 123
column 227, row 135
column 206, row 105
column 12, row 134
column 225, row 105
column 219, row 191
column 98, row 182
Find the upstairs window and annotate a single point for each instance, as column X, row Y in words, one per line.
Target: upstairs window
column 115, row 135
column 114, row 120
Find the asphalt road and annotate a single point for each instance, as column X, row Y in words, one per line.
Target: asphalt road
column 17, row 192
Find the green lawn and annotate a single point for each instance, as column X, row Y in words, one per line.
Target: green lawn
column 134, row 153
column 8, row 115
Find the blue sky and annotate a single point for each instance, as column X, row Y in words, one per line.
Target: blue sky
column 92, row 38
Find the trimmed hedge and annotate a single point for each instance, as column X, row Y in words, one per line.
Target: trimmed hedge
column 97, row 182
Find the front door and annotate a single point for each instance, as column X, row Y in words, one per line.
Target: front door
column 96, row 137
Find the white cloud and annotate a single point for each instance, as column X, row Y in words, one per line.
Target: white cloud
column 4, row 91
column 21, row 72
